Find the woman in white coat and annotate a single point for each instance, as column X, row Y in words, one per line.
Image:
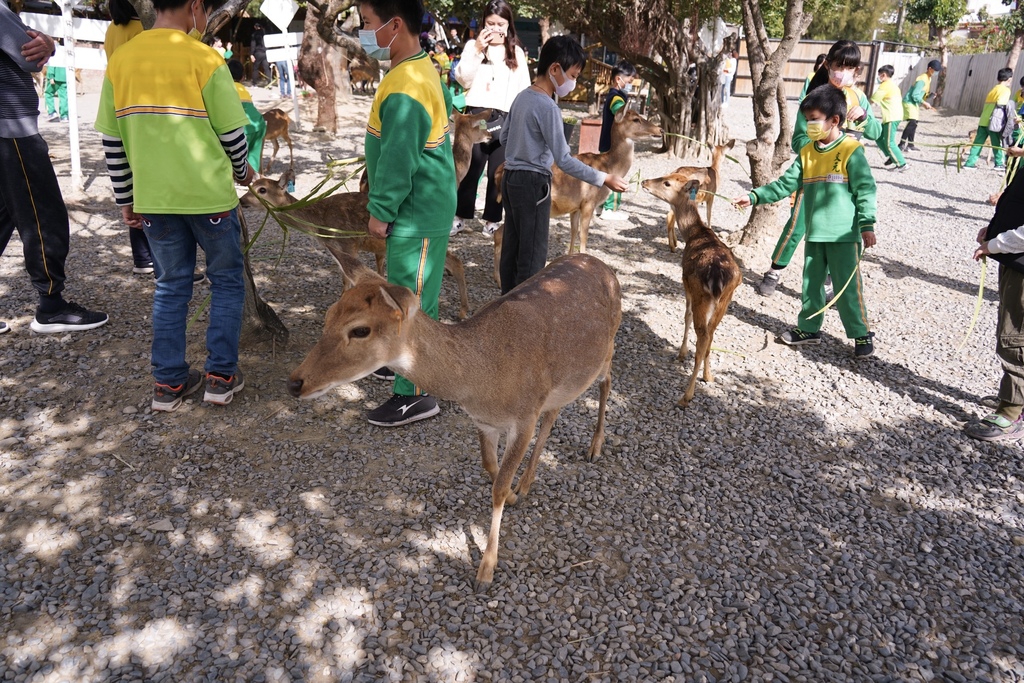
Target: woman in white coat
column 493, row 70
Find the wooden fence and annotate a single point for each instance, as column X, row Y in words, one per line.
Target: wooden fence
column 801, row 63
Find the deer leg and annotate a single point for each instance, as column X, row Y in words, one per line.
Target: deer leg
column 517, row 441
column 380, row 258
column 606, row 387
column 272, row 156
column 489, row 451
column 700, row 328
column 709, row 200
column 499, row 235
column 291, row 160
column 453, row 265
column 547, row 421
column 687, row 322
column 670, row 222
column 574, row 230
column 584, row 222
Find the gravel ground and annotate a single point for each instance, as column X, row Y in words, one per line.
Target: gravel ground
column 808, row 518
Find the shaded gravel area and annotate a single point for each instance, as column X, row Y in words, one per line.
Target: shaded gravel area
column 808, row 518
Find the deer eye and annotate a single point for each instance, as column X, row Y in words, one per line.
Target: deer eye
column 262, row 190
column 360, row 332
column 668, row 184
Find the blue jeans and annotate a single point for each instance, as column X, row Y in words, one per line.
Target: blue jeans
column 284, row 79
column 173, row 240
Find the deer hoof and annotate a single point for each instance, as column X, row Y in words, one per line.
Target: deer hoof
column 511, row 498
column 683, row 402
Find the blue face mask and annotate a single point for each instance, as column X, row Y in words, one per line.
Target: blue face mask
column 368, row 41
column 628, row 88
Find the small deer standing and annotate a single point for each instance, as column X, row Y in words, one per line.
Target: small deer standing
column 710, row 272
column 520, row 359
column 708, row 176
column 277, row 127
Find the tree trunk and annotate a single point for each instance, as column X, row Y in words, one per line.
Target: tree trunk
column 544, row 24
column 941, row 33
column 316, row 69
column 260, row 323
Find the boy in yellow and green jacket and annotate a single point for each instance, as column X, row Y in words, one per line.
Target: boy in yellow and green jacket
column 837, row 194
column 888, row 96
column 999, row 96
column 916, row 98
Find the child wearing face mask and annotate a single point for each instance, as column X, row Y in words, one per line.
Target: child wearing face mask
column 615, row 101
column 839, row 69
column 534, row 139
column 838, row 206
column 173, row 136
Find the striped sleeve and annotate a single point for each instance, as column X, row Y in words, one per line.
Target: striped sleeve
column 237, row 149
column 119, row 170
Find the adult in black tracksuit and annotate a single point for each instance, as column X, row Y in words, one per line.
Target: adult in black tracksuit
column 30, row 198
column 258, row 55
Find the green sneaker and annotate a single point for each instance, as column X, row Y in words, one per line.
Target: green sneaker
column 995, row 427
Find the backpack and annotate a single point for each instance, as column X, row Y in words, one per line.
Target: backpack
column 997, row 123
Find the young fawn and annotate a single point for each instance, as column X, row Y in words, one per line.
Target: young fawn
column 710, row 273
column 520, row 359
column 708, row 177
column 468, row 130
column 341, row 211
column 577, row 199
column 277, row 127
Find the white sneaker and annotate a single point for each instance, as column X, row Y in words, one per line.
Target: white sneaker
column 457, row 227
column 490, row 228
column 613, row 215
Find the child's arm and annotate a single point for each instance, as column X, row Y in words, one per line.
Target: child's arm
column 787, row 184
column 29, row 49
column 916, row 94
column 551, row 128
column 469, row 64
column 872, row 126
column 228, row 119
column 863, row 189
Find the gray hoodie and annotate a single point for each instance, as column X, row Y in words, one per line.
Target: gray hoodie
column 19, row 103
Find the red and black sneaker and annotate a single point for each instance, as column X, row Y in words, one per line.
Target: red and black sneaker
column 167, row 397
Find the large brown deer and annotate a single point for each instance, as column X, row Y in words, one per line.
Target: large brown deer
column 708, row 177
column 277, row 127
column 342, row 211
column 577, row 199
column 710, row 273
column 520, row 359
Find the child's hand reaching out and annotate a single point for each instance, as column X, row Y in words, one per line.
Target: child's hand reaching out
column 615, row 183
column 742, row 202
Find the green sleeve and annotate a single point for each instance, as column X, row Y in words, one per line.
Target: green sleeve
column 222, row 103
column 862, row 187
column 872, row 126
column 916, row 94
column 617, row 104
column 106, row 119
column 257, row 125
column 790, row 182
column 404, row 129
column 800, row 139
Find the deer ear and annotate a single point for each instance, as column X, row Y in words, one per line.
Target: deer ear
column 485, row 114
column 364, row 182
column 401, row 299
column 352, row 271
column 621, row 115
column 729, row 145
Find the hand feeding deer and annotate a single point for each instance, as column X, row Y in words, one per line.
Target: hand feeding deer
column 520, row 359
column 710, row 273
column 708, row 176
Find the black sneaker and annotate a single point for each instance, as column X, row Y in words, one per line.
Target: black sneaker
column 797, row 337
column 220, row 390
column 167, row 398
column 4, row 327
column 864, row 346
column 902, row 146
column 385, row 373
column 143, row 269
column 767, row 285
column 401, row 410
column 912, row 147
column 71, row 318
column 889, row 162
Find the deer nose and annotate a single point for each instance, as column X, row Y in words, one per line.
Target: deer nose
column 295, row 387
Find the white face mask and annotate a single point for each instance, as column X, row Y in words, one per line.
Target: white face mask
column 567, row 86
column 842, row 79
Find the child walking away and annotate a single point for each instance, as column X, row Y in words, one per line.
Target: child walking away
column 56, row 86
column 256, row 126
column 173, row 137
column 1003, row 240
column 916, row 98
column 618, row 97
column 838, row 192
column 411, row 175
column 993, row 120
column 888, row 96
column 534, row 139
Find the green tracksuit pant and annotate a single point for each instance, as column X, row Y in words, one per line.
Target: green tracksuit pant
column 979, row 141
column 840, row 259
column 887, row 143
column 417, row 263
column 791, row 235
column 613, row 202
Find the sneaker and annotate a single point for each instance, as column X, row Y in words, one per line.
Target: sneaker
column 220, row 390
column 490, row 228
column 63, row 119
column 144, row 269
column 995, row 427
column 401, row 410
column 614, row 215
column 965, row 167
column 167, row 398
column 4, row 327
column 797, row 337
column 385, row 373
column 864, row 346
column 903, row 168
column 1001, row 169
column 889, row 162
column 199, row 276
column 902, row 146
column 911, row 147
column 71, row 318
column 53, row 117
column 767, row 285
column 457, row 227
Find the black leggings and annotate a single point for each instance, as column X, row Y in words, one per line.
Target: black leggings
column 910, row 131
column 490, row 154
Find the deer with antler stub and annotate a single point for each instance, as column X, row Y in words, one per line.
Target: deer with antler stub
column 520, row 359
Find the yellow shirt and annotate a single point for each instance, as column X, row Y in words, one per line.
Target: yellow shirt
column 117, row 36
column 997, row 97
column 889, row 97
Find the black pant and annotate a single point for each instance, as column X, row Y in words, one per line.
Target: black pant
column 141, row 254
column 910, row 131
column 491, row 154
column 261, row 65
column 524, row 249
column 30, row 200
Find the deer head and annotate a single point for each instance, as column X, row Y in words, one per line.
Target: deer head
column 269, row 190
column 629, row 125
column 675, row 188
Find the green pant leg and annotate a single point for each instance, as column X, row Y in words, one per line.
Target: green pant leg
column 888, row 143
column 613, row 202
column 791, row 235
column 999, row 155
column 62, row 93
column 979, row 141
column 48, row 92
column 812, row 296
column 843, row 258
column 417, row 263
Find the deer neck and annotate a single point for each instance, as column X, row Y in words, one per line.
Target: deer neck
column 621, row 154
column 688, row 220
column 443, row 359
